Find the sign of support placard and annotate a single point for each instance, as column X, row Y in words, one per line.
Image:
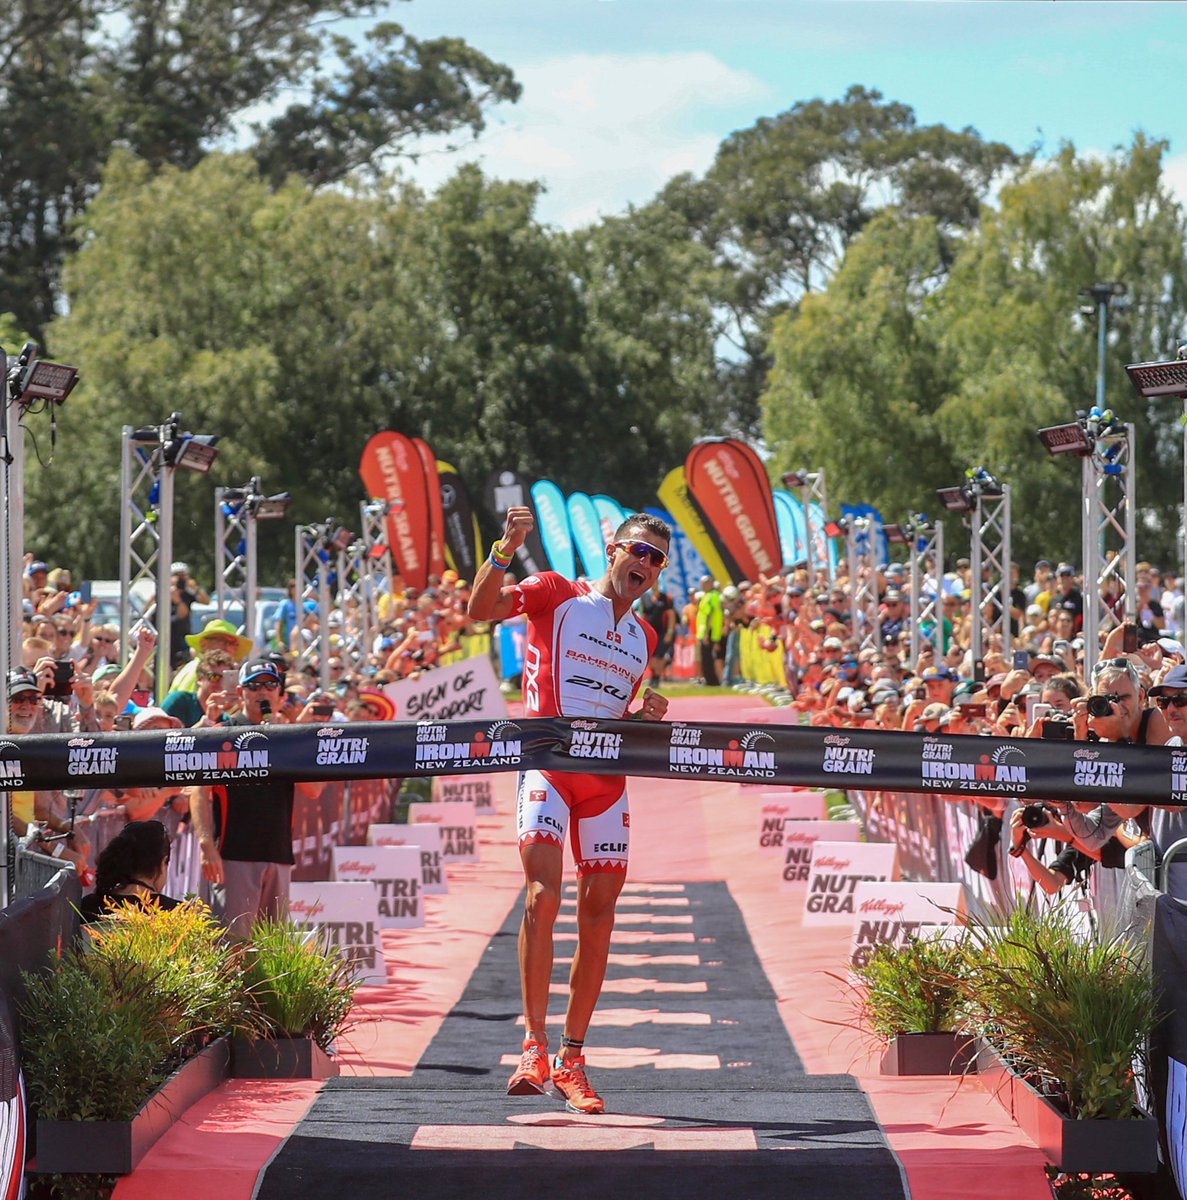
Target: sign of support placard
column 427, row 839
column 799, row 837
column 837, row 868
column 347, row 916
column 466, row 689
column 458, row 825
column 891, row 914
column 394, row 872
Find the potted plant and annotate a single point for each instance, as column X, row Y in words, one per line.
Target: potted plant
column 910, row 997
column 1066, row 1017
column 121, row 1036
column 302, row 991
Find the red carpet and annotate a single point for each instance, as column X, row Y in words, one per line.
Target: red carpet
column 950, row 1136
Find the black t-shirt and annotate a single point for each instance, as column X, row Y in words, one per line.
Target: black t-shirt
column 94, row 907
column 179, row 628
column 652, row 609
column 253, row 818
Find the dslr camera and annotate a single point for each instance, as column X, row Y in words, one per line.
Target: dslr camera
column 1034, row 815
column 1102, row 706
column 1057, row 727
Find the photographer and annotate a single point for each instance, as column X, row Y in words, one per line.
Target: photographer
column 1072, row 864
column 1115, row 711
column 184, row 593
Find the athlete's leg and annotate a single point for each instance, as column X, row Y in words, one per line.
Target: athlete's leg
column 542, row 867
column 597, row 895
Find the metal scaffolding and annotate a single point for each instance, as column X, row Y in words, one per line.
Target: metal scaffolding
column 1108, row 512
column 354, row 586
column 381, row 576
column 990, row 551
column 927, row 586
column 316, row 548
column 811, row 488
column 865, row 614
column 236, row 558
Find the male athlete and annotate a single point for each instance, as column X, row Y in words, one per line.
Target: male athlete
column 585, row 656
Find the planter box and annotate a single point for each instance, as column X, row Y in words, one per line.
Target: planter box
column 116, row 1147
column 1072, row 1146
column 280, row 1058
column 929, row 1054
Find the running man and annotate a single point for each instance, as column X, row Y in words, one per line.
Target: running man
column 585, row 656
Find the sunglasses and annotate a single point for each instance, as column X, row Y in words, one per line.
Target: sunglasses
column 25, row 698
column 269, row 685
column 109, row 640
column 1171, row 701
column 645, row 552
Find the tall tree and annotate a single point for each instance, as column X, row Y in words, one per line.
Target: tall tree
column 169, row 80
column 784, row 199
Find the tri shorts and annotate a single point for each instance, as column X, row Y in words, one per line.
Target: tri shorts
column 594, row 805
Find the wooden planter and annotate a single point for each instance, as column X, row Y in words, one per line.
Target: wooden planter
column 1070, row 1145
column 280, row 1058
column 116, row 1147
column 929, row 1054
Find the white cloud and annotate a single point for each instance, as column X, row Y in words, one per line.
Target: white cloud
column 604, row 131
column 1174, row 172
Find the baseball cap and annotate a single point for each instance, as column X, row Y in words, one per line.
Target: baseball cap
column 1051, row 660
column 832, row 643
column 1065, row 569
column 259, row 668
column 34, row 567
column 942, row 671
column 995, row 681
column 22, row 680
column 151, row 713
column 895, row 568
column 1176, row 677
column 106, row 671
column 1172, row 646
column 179, row 568
column 1043, row 562
column 795, row 590
column 893, row 597
column 934, row 712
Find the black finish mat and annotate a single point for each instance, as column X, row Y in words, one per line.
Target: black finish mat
column 687, row 1048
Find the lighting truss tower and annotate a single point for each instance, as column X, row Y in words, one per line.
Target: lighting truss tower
column 865, row 616
column 991, row 548
column 1108, row 532
column 812, row 490
column 927, row 565
column 315, row 551
column 354, row 584
column 146, row 538
column 373, row 523
column 236, row 553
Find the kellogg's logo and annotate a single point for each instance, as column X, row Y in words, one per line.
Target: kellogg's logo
column 498, row 746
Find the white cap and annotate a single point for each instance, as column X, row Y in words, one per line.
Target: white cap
column 179, row 568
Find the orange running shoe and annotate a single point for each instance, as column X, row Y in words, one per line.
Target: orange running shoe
column 570, row 1082
column 531, row 1076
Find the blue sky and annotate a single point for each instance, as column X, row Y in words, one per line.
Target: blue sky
column 619, row 95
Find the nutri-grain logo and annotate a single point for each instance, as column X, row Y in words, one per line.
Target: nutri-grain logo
column 335, row 749
column 1002, row 771
column 843, row 759
column 83, row 757
column 12, row 771
column 594, row 743
column 1095, row 771
column 497, row 746
column 1178, row 777
column 243, row 757
column 696, row 751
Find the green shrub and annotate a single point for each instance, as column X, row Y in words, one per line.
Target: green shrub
column 913, row 988
column 1071, row 1013
column 300, row 987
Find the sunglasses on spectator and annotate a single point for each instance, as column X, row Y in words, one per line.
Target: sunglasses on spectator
column 645, row 552
column 262, row 685
column 98, row 638
column 1179, row 701
column 25, row 698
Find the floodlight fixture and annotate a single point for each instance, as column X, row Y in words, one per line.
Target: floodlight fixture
column 31, row 378
column 897, row 535
column 272, row 508
column 1066, row 439
column 340, row 537
column 795, row 479
column 1154, row 380
column 955, row 499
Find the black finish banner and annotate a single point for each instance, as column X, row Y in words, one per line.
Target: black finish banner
column 773, row 754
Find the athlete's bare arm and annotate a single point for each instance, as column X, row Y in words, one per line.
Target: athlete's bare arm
column 487, row 600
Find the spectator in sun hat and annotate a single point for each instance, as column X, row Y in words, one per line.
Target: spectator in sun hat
column 930, row 719
column 218, row 634
column 379, row 705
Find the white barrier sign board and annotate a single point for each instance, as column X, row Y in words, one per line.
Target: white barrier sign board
column 462, row 691
column 479, row 789
column 798, row 839
column 459, row 829
column 433, row 880
column 890, row 914
column 394, row 872
column 347, row 916
column 777, row 808
column 837, row 868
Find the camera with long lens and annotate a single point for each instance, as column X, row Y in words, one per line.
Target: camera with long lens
column 1034, row 815
column 1057, row 727
column 1102, row 706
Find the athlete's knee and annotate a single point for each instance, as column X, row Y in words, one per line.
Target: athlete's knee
column 543, row 902
column 598, row 898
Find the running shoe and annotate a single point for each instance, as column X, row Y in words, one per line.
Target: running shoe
column 531, row 1076
column 570, row 1082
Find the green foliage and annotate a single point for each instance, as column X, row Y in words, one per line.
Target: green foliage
column 300, row 987
column 169, row 81
column 913, row 988
column 1071, row 1014
column 95, row 1043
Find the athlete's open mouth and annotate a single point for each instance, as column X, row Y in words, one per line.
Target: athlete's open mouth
column 636, row 578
